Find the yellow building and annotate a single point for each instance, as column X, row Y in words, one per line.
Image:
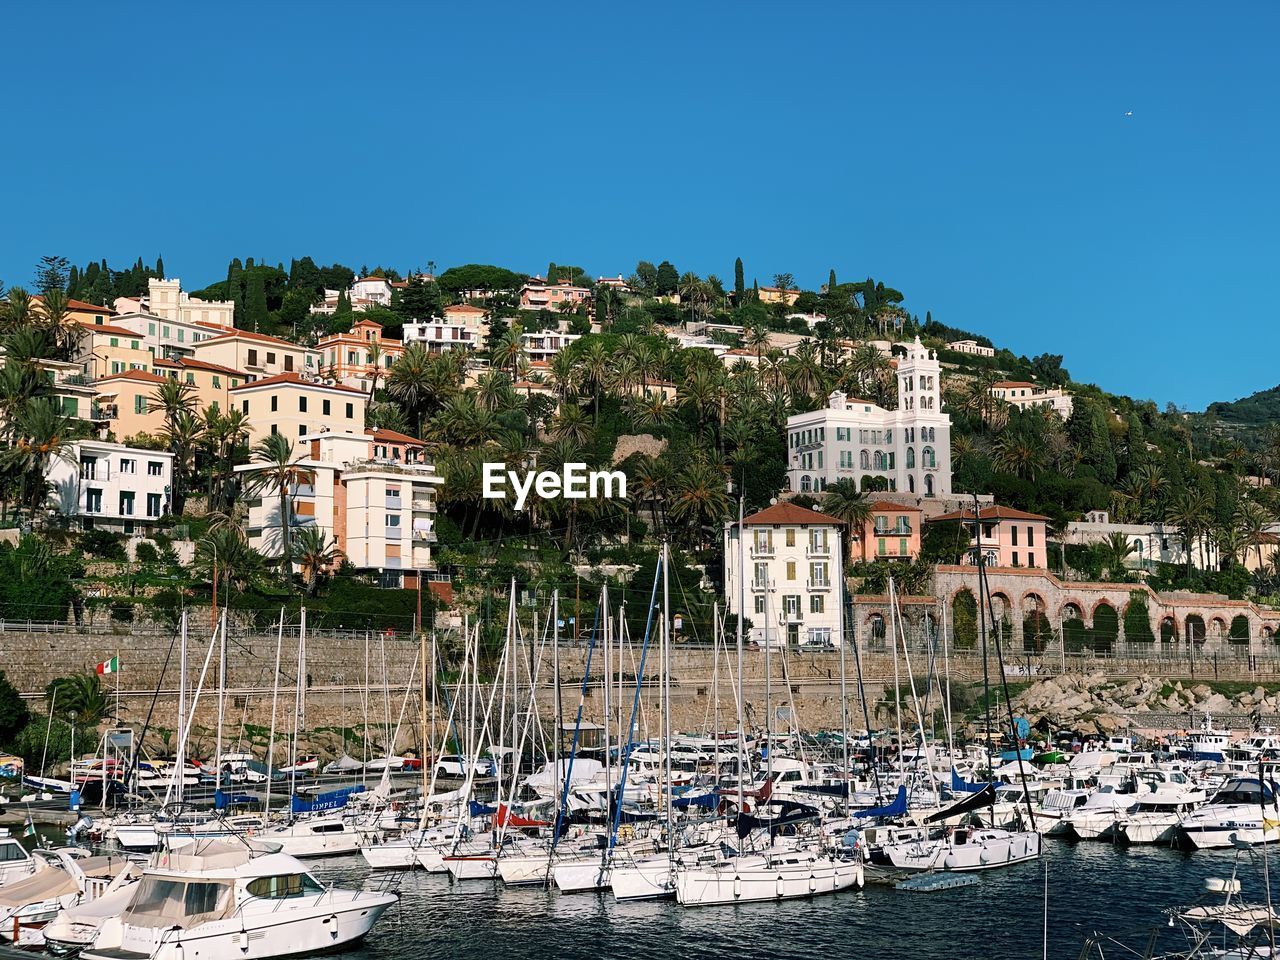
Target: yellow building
column 254, row 353
column 292, row 405
column 105, row 349
column 124, row 404
column 778, row 295
column 211, row 383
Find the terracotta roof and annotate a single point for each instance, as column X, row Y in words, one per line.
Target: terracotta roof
column 991, row 513
column 1012, row 383
column 366, row 323
column 188, row 364
column 142, row 375
column 297, row 379
column 109, row 329
column 790, row 513
column 463, row 308
column 249, row 335
column 393, row 436
column 86, row 307
column 886, row 506
column 530, row 385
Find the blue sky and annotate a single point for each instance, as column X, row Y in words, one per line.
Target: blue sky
column 976, row 156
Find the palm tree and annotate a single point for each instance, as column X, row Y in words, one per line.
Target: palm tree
column 701, row 501
column 223, row 555
column 1117, row 548
column 56, row 316
column 844, row 501
column 276, row 471
column 1018, row 453
column 1190, row 513
column 594, row 366
column 507, row 351
column 571, row 424
column 42, row 435
column 17, row 310
column 654, row 410
column 317, row 555
column 411, row 383
column 174, row 397
column 79, row 700
column 375, row 366
column 1254, row 522
column 20, row 383
column 757, row 338
column 183, row 434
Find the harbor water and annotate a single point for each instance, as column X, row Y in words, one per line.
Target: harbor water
column 1092, row 888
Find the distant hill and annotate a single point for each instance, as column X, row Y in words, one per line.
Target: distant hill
column 1255, row 410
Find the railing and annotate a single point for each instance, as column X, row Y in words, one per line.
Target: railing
column 110, row 412
column 813, row 585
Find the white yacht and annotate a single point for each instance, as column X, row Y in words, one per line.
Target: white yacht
column 1238, row 809
column 1095, row 819
column 960, row 849
column 15, row 861
column 29, row 904
column 218, row 901
column 332, row 835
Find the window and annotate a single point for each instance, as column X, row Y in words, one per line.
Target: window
column 760, row 603
column 271, row 359
column 764, row 541
column 275, row 405
column 761, row 575
column 351, row 410
column 217, row 381
column 818, row 540
column 126, row 503
column 818, row 574
column 115, row 341
column 393, row 519
column 302, row 429
column 139, row 404
column 1031, row 559
column 817, row 603
column 1015, row 535
column 881, row 549
column 902, row 547
column 302, row 404
column 191, row 378
column 791, row 606
column 1031, row 536
column 791, row 536
column 324, row 407
column 128, row 465
column 153, row 504
column 93, row 501
column 164, row 332
column 182, row 335
column 151, row 329
column 244, row 406
column 864, row 460
column 279, row 888
column 1015, row 558
column 253, row 358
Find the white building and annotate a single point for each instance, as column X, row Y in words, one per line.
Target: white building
column 910, row 447
column 1152, row 543
column 373, row 499
column 166, row 338
column 1028, row 396
column 792, row 588
column 364, row 293
column 972, row 347
column 165, row 299
column 108, row 486
column 545, row 344
column 461, row 326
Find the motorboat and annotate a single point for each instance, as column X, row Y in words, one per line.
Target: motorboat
column 1095, row 819
column 1205, row 744
column 319, row 836
column 958, row 849
column 217, row 899
column 68, row 879
column 15, row 861
column 1245, row 809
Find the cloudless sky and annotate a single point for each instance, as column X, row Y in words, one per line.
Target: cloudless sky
column 976, row 156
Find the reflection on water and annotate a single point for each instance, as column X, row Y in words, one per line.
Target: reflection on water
column 1092, row 887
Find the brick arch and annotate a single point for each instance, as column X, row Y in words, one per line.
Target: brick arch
column 1071, row 602
column 1001, row 603
column 1216, row 627
column 1188, row 626
column 1172, row 621
column 1037, row 604
column 951, row 600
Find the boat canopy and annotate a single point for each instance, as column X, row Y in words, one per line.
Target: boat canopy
column 705, row 801
column 330, row 800
column 983, row 798
column 960, row 785
column 897, row 808
column 179, row 902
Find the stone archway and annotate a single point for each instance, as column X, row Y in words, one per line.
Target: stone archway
column 1217, row 628
column 1037, row 631
column 1168, row 630
column 1105, row 631
column 1194, row 629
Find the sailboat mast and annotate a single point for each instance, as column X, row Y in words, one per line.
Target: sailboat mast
column 222, row 694
column 607, row 683
column 275, row 699
column 666, row 689
column 742, row 611
column 180, row 760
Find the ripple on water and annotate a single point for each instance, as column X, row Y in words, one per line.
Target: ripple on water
column 1092, row 887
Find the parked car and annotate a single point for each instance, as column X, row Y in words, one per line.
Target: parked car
column 452, row 765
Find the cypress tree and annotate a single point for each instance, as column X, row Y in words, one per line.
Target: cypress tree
column 234, row 291
column 553, row 272
column 255, row 296
column 160, row 267
column 831, row 281
column 739, row 285
column 73, row 281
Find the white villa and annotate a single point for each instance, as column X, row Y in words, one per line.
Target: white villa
column 792, row 586
column 909, row 447
column 108, row 486
column 972, row 347
column 1026, row 396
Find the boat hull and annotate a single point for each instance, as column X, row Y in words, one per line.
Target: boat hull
column 757, row 879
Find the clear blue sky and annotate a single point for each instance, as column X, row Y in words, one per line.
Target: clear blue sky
column 976, row 156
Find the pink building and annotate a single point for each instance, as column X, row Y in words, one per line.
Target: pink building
column 1006, row 537
column 540, row 295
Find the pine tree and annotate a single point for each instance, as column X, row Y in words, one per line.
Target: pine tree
column 255, row 295
column 739, row 285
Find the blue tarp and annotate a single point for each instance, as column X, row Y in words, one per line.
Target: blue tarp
column 897, row 808
column 478, row 809
column 222, row 799
column 332, row 800
column 963, row 786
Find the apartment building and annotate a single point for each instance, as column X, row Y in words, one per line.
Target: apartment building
column 298, row 406
column 124, row 404
column 108, row 486
column 891, row 532
column 104, row 348
column 165, row 338
column 72, row 390
column 211, row 384
column 537, row 294
column 1003, row 536
column 379, row 511
column 352, row 357
column 256, row 354
column 440, row 336
column 544, row 345
column 790, row 575
column 907, row 450
column 1025, row 396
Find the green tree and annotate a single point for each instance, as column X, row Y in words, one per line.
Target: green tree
column 13, row 712
column 845, row 502
column 275, row 470
column 1137, row 620
column 739, row 283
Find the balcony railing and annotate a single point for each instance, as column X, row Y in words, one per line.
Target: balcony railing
column 105, row 412
column 817, row 585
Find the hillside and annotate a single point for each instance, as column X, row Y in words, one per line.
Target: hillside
column 1256, row 410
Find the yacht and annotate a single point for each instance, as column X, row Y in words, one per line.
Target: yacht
column 15, row 861
column 1095, row 819
column 67, row 879
column 332, row 835
column 1245, row 808
column 960, row 849
column 217, row 900
column 1205, row 744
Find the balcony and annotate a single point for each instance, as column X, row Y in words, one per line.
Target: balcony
column 424, row 506
column 424, row 536
column 818, row 550
column 817, row 586
column 108, row 411
column 762, row 550
column 759, row 586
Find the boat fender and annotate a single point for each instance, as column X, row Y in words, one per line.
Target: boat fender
column 332, row 921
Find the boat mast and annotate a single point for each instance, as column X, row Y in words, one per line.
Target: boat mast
column 666, row 690
column 222, row 694
column 742, row 612
column 607, row 682
column 275, row 699
column 180, row 760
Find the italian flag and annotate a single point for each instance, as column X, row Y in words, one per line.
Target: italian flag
column 108, row 666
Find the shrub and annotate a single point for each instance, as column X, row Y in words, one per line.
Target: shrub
column 102, row 544
column 1137, row 620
